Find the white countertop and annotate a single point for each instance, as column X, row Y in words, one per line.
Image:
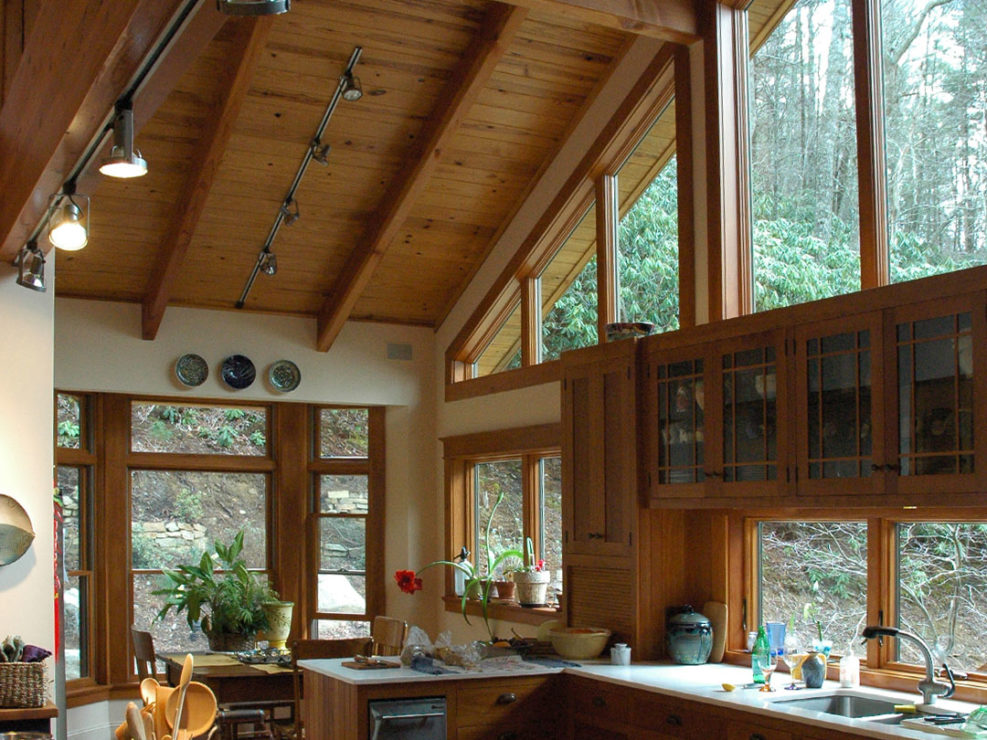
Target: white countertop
column 702, row 683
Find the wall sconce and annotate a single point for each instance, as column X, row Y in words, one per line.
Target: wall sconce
column 123, row 161
column 68, row 227
column 253, row 7
column 31, row 267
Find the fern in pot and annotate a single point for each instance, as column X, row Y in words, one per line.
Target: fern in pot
column 220, row 596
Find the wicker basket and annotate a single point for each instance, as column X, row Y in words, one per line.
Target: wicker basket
column 22, row 684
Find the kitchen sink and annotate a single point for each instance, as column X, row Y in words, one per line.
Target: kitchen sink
column 869, row 708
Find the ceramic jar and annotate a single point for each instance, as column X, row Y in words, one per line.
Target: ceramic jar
column 688, row 636
column 814, row 670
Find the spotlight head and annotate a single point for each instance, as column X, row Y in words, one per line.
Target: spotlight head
column 68, row 228
column 31, row 267
column 253, row 7
column 123, row 161
column 268, row 263
column 352, row 90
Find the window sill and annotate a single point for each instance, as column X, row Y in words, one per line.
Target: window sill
column 504, row 611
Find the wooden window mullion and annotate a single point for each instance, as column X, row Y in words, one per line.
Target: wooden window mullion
column 607, row 276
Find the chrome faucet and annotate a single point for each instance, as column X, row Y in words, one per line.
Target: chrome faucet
column 928, row 686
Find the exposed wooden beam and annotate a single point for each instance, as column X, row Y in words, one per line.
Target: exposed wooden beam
column 466, row 83
column 669, row 20
column 251, row 37
column 58, row 99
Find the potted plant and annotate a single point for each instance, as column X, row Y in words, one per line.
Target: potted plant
column 229, row 605
column 476, row 583
column 531, row 579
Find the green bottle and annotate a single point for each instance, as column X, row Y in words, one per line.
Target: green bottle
column 760, row 654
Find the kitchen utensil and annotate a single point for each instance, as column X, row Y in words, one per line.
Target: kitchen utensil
column 149, row 689
column 199, row 711
column 716, row 613
column 183, row 683
column 148, row 719
column 135, row 725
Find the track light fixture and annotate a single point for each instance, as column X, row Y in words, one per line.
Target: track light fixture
column 352, row 90
column 68, row 227
column 253, row 7
column 290, row 216
column 320, row 152
column 123, row 161
column 31, row 267
column 268, row 262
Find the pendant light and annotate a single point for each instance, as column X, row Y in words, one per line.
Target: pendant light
column 31, row 267
column 123, row 161
column 68, row 227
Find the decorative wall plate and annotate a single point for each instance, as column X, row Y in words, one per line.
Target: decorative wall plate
column 284, row 376
column 238, row 372
column 16, row 534
column 191, row 370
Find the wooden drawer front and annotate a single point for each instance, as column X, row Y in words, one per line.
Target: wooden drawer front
column 671, row 718
column 594, row 699
column 547, row 730
column 515, row 702
column 749, row 731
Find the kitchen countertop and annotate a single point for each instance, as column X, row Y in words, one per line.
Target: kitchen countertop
column 702, row 683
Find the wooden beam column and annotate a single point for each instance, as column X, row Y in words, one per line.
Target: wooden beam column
column 685, row 173
column 668, row 20
column 607, row 274
column 727, row 212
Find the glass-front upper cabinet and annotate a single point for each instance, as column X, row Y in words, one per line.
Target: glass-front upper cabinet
column 839, row 435
column 938, row 356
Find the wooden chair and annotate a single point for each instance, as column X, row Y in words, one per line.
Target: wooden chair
column 387, row 636
column 144, row 654
column 308, row 650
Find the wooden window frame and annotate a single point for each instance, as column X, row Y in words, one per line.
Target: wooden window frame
column 373, row 467
column 878, row 668
column 461, row 453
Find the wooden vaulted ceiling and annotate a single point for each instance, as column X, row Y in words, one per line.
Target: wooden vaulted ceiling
column 465, row 101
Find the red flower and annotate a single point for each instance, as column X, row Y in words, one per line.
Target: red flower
column 407, row 581
column 540, row 565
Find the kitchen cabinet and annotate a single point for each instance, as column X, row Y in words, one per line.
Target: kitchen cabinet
column 599, row 449
column 508, row 709
column 744, row 730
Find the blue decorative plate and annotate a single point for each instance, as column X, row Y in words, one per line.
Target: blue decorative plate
column 238, row 372
column 191, row 370
column 284, row 376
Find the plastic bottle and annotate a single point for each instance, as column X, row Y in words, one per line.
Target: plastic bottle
column 760, row 654
column 459, row 577
column 849, row 669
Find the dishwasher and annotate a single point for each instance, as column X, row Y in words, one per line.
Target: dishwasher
column 421, row 719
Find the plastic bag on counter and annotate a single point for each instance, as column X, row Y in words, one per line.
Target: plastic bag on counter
column 417, row 643
column 461, row 655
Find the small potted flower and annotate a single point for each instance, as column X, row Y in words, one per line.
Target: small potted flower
column 531, row 579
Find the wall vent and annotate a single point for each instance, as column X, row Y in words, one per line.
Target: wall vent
column 398, row 351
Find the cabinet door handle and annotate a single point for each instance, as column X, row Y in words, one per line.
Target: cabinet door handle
column 599, row 701
column 507, row 736
column 674, row 720
column 757, row 736
column 508, row 698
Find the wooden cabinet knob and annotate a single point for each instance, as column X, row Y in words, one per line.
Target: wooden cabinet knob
column 599, row 701
column 507, row 736
column 674, row 720
column 757, row 736
column 508, row 698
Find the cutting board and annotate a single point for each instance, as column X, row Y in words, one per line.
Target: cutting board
column 376, row 666
column 716, row 613
column 917, row 723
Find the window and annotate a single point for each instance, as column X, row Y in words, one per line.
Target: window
column 568, row 292
column 803, row 155
column 348, row 503
column 934, row 584
column 936, row 153
column 520, row 466
column 74, row 466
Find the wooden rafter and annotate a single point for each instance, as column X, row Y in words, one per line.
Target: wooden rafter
column 460, row 92
column 669, row 20
column 60, row 96
column 250, row 40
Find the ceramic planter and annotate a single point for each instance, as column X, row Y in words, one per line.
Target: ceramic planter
column 279, row 620
column 531, row 587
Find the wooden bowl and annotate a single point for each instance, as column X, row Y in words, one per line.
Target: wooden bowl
column 199, row 712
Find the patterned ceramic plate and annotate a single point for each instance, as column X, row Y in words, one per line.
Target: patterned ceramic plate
column 238, row 372
column 16, row 533
column 284, row 376
column 191, row 370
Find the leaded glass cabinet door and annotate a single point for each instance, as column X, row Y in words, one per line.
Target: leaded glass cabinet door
column 754, row 401
column 675, row 421
column 840, row 445
column 938, row 359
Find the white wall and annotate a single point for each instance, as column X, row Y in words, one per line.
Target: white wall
column 98, row 348
column 27, row 585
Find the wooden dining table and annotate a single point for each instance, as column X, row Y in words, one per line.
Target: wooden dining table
column 232, row 681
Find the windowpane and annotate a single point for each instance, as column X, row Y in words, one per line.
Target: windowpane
column 504, row 350
column 342, row 585
column 820, row 564
column 551, row 519
column 341, row 629
column 568, row 292
column 942, row 592
column 803, row 155
column 507, row 526
column 343, row 432
column 176, row 515
column 935, row 92
column 648, row 251
column 343, row 494
column 198, row 430
column 171, row 634
column 76, row 625
column 69, row 421
column 68, row 488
